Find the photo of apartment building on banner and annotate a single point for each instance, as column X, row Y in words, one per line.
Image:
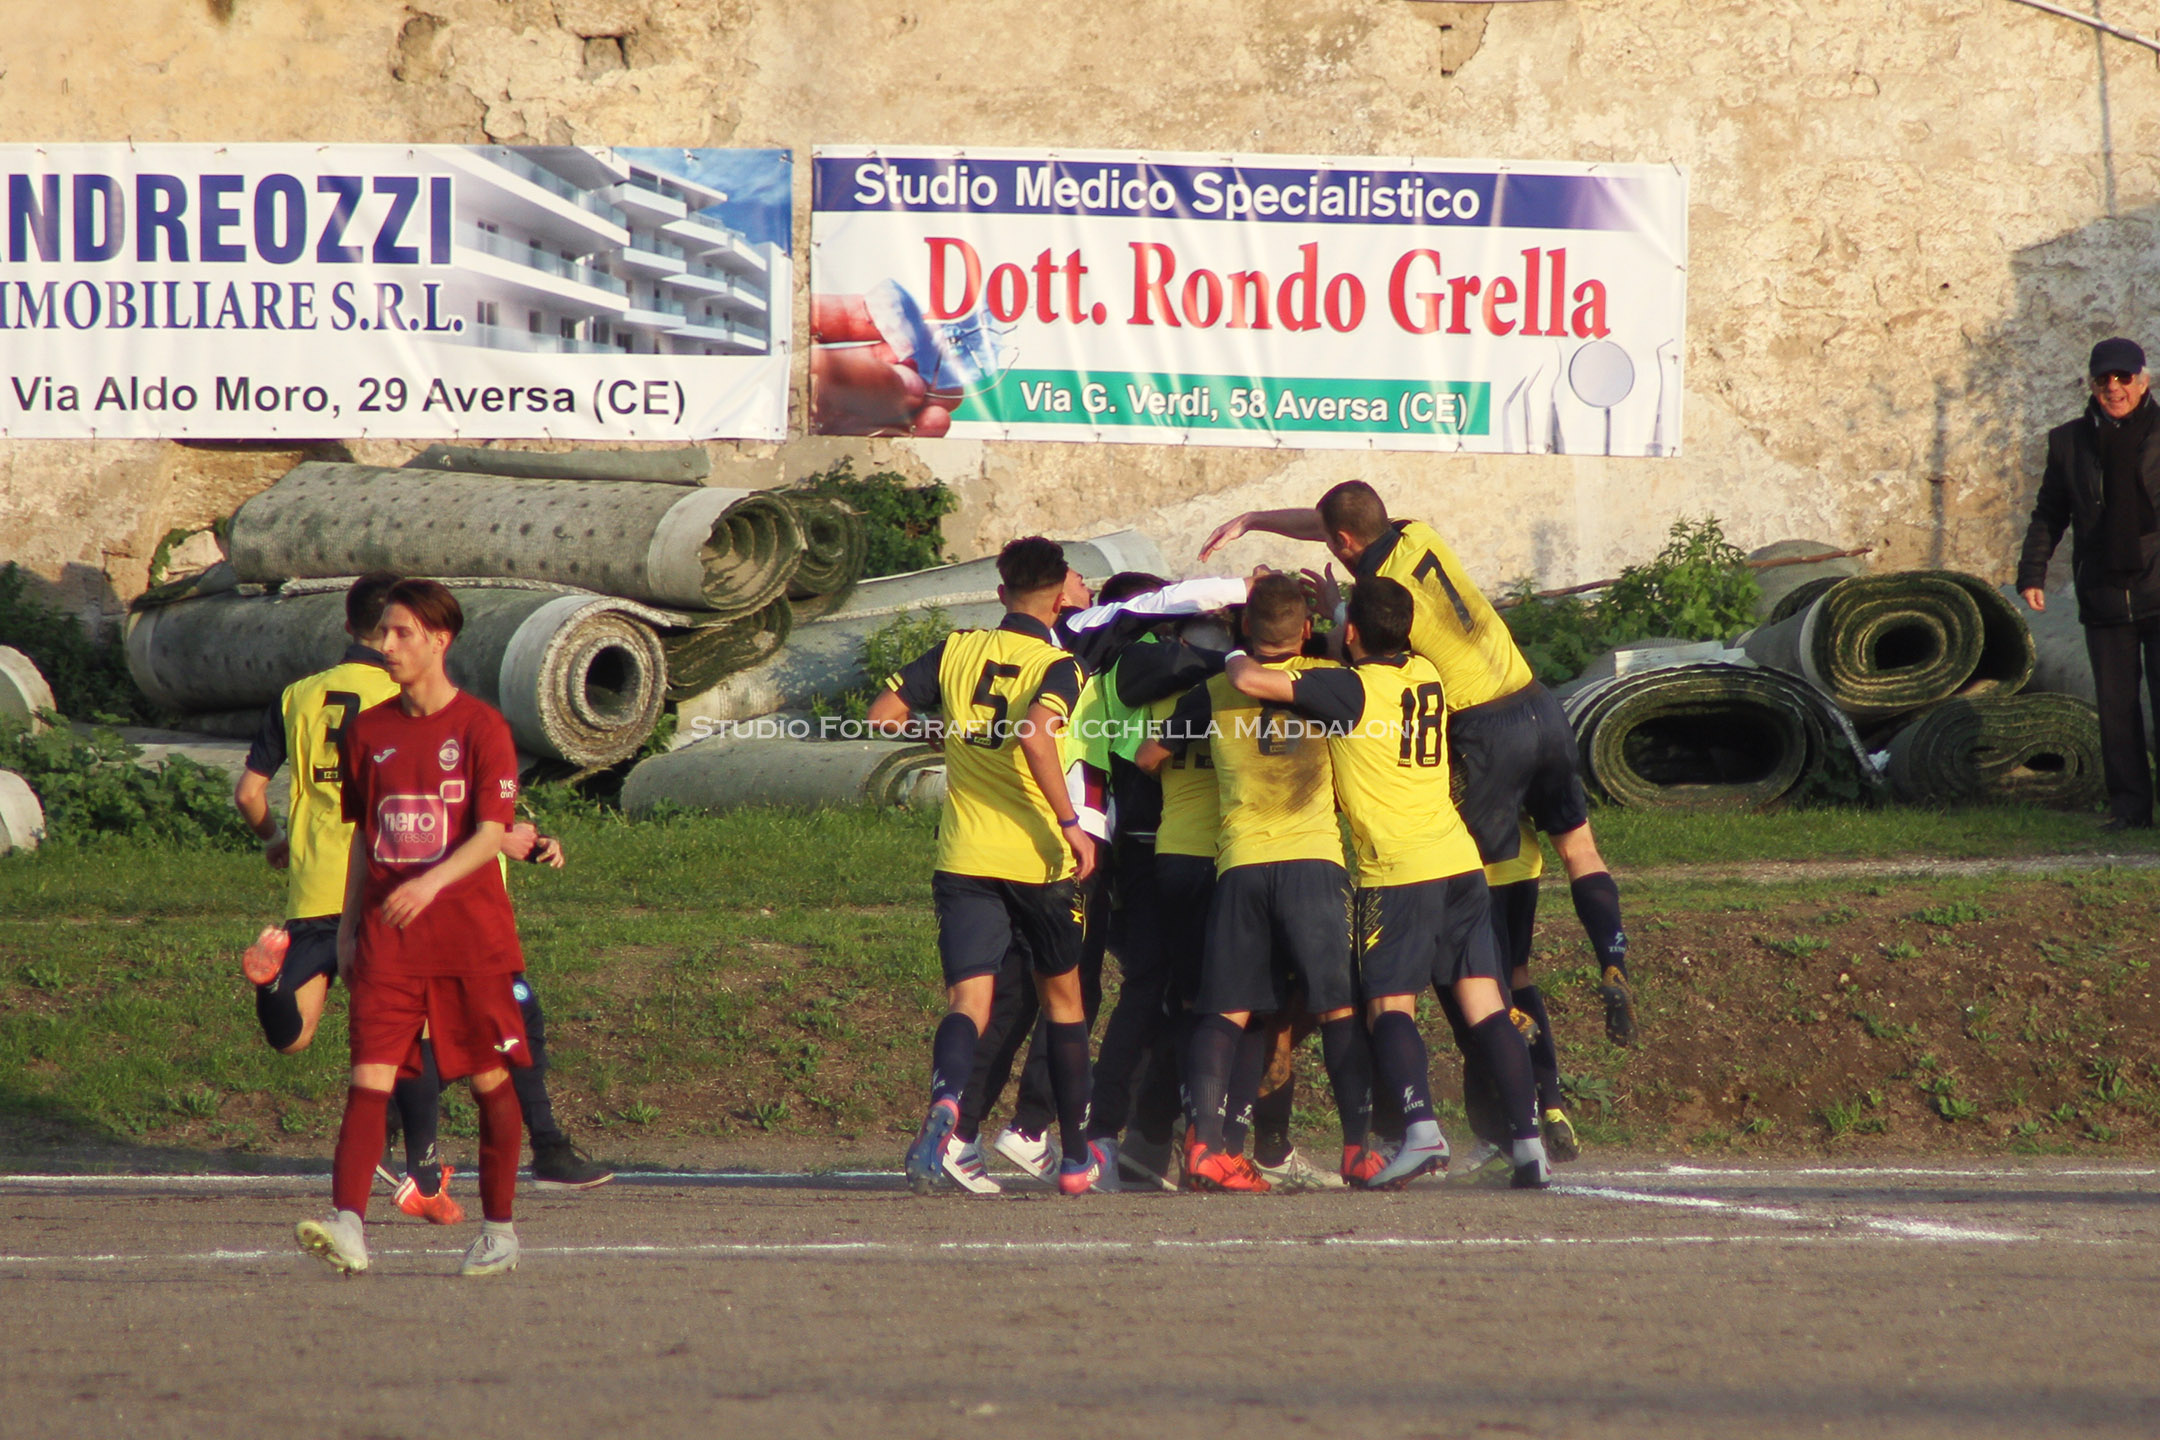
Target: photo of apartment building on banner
column 568, row 250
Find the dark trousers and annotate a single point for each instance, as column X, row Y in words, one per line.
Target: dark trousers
column 2119, row 653
column 1139, row 1020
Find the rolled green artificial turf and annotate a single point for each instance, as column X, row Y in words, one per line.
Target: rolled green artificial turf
column 2036, row 749
column 836, row 549
column 1713, row 735
column 1881, row 645
column 700, row 658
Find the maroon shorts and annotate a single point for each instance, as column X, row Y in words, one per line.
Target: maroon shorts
column 473, row 1020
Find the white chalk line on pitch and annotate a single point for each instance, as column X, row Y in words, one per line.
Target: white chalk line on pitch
column 840, row 1250
column 1887, row 1225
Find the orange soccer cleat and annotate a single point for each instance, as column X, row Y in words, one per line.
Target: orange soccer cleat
column 436, row 1209
column 264, row 960
column 1207, row 1169
column 1360, row 1163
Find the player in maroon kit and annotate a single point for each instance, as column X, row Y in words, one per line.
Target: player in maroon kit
column 427, row 939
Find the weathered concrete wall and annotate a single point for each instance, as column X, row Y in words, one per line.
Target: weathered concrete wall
column 1910, row 218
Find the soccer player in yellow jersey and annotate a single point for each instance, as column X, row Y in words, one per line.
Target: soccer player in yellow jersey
column 304, row 730
column 1010, row 847
column 1280, row 911
column 1507, row 735
column 1421, row 916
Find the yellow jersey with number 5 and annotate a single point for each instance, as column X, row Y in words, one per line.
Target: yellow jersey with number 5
column 1454, row 626
column 980, row 684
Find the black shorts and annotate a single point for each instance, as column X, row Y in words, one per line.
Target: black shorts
column 1273, row 927
column 1511, row 755
column 313, row 952
column 1435, row 932
column 1184, row 889
column 979, row 919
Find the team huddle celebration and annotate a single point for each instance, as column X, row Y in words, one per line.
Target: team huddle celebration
column 1162, row 773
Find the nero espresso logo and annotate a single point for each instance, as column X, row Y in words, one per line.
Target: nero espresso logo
column 411, row 829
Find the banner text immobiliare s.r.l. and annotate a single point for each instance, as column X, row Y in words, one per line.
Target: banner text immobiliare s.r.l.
column 1269, row 300
column 432, row 291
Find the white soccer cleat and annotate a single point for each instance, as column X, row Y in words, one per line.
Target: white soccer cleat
column 963, row 1164
column 1297, row 1173
column 339, row 1242
column 1036, row 1154
column 494, row 1253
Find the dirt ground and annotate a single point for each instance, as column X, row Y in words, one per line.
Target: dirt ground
column 1992, row 1298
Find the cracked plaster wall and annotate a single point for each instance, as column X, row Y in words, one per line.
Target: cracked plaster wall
column 1909, row 219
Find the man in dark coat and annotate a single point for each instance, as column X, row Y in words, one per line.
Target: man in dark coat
column 2103, row 481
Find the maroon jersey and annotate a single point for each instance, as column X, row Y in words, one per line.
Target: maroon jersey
column 418, row 786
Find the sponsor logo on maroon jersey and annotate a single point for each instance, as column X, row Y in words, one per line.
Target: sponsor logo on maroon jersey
column 411, row 829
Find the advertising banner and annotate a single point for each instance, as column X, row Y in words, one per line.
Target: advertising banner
column 1248, row 300
column 435, row 291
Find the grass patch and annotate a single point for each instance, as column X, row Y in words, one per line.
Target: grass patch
column 776, row 972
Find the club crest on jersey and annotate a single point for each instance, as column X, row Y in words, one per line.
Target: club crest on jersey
column 447, row 757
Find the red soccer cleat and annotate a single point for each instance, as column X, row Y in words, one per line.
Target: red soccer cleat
column 436, row 1209
column 1360, row 1163
column 263, row 961
column 1207, row 1169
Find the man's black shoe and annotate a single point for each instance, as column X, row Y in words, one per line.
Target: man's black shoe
column 2115, row 825
column 559, row 1165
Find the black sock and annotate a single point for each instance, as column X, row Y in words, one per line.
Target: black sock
column 1071, row 1084
column 1348, row 1057
column 1210, row 1056
column 1241, row 1109
column 1157, row 1103
column 1400, row 1063
column 1597, row 905
column 1387, row 1116
column 952, row 1056
column 531, row 1080
column 1544, row 1054
column 279, row 1013
column 419, row 1106
column 1505, row 1057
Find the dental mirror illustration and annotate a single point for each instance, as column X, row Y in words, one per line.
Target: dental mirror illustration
column 1601, row 375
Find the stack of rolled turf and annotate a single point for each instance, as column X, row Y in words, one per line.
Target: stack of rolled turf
column 1929, row 664
column 1915, row 681
column 589, row 605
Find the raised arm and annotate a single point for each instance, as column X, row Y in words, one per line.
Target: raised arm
column 1299, row 524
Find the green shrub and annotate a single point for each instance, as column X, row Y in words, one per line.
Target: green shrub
column 902, row 520
column 89, row 676
column 1698, row 588
column 884, row 651
column 92, row 786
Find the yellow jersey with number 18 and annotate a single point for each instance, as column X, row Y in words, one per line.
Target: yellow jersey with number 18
column 1454, row 625
column 981, row 684
column 315, row 713
column 1391, row 777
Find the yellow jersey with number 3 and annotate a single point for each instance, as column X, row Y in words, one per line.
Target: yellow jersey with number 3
column 1271, row 765
column 1391, row 774
column 1454, row 625
column 980, row 684
column 315, row 712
